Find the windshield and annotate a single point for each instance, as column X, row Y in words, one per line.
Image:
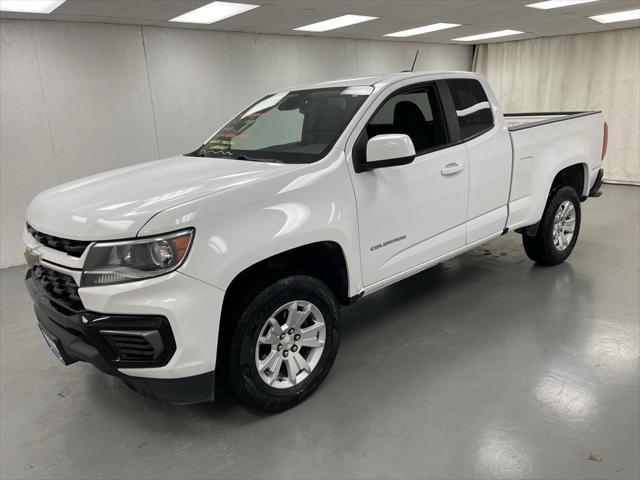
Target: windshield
column 290, row 127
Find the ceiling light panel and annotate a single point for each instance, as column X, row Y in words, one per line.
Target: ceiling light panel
column 333, row 23
column 484, row 36
column 617, row 16
column 213, row 12
column 558, row 3
column 30, row 6
column 420, row 30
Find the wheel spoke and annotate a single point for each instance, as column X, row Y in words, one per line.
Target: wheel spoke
column 311, row 342
column 297, row 317
column 273, row 336
column 567, row 211
column 559, row 212
column 275, row 370
column 302, row 363
column 309, row 336
column 275, row 326
column 292, row 369
column 269, row 361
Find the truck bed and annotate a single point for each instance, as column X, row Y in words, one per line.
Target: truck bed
column 559, row 140
column 519, row 121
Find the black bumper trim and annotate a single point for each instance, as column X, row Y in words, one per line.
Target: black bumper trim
column 179, row 391
column 81, row 332
column 77, row 336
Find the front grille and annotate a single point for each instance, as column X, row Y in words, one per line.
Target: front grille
column 134, row 345
column 58, row 287
column 75, row 248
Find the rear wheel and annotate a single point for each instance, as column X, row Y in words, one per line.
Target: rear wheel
column 558, row 230
column 284, row 343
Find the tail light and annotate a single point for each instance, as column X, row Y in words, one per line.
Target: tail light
column 605, row 139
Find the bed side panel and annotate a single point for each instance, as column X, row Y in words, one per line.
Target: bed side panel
column 540, row 152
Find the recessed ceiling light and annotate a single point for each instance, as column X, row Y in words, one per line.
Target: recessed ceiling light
column 334, row 23
column 557, row 3
column 617, row 16
column 484, row 36
column 32, row 6
column 213, row 12
column 426, row 29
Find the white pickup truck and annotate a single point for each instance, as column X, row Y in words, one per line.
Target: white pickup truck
column 235, row 258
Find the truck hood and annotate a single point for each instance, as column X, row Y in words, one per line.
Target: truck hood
column 116, row 204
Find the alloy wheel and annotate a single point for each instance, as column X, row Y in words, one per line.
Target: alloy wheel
column 564, row 224
column 290, row 344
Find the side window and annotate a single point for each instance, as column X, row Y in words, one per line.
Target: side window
column 415, row 113
column 472, row 107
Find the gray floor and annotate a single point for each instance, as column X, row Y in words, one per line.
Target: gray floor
column 485, row 366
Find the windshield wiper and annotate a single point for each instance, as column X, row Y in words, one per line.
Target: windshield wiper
column 269, row 160
column 212, row 153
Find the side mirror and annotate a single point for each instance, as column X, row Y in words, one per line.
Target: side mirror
column 389, row 150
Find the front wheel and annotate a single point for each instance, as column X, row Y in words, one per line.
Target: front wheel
column 558, row 230
column 284, row 343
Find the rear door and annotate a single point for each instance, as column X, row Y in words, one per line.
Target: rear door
column 411, row 214
column 489, row 149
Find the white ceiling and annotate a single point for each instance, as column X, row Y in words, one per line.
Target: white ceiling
column 281, row 16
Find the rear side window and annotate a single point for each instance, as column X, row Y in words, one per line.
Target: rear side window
column 472, row 107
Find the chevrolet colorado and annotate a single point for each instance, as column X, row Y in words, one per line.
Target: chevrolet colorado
column 233, row 260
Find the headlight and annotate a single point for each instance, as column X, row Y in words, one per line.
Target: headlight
column 127, row 261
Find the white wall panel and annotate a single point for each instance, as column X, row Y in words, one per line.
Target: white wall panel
column 375, row 57
column 261, row 64
column 97, row 94
column 326, row 58
column 447, row 57
column 82, row 98
column 27, row 161
column 191, row 84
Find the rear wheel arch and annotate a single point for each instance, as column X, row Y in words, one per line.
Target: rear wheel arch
column 575, row 176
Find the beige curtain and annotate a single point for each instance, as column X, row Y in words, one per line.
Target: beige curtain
column 594, row 71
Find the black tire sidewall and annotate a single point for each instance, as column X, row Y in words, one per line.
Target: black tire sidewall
column 244, row 376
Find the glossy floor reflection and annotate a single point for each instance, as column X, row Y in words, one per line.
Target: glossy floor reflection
column 486, row 367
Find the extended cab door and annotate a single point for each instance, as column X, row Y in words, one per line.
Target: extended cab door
column 489, row 148
column 414, row 213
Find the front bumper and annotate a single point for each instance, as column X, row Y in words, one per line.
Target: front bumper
column 178, row 372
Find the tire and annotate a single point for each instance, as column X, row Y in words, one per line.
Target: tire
column 274, row 388
column 551, row 246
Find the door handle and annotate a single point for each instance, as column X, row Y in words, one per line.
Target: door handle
column 452, row 168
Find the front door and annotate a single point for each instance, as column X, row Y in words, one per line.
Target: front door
column 409, row 215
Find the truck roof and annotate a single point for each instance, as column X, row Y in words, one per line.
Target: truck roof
column 375, row 79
